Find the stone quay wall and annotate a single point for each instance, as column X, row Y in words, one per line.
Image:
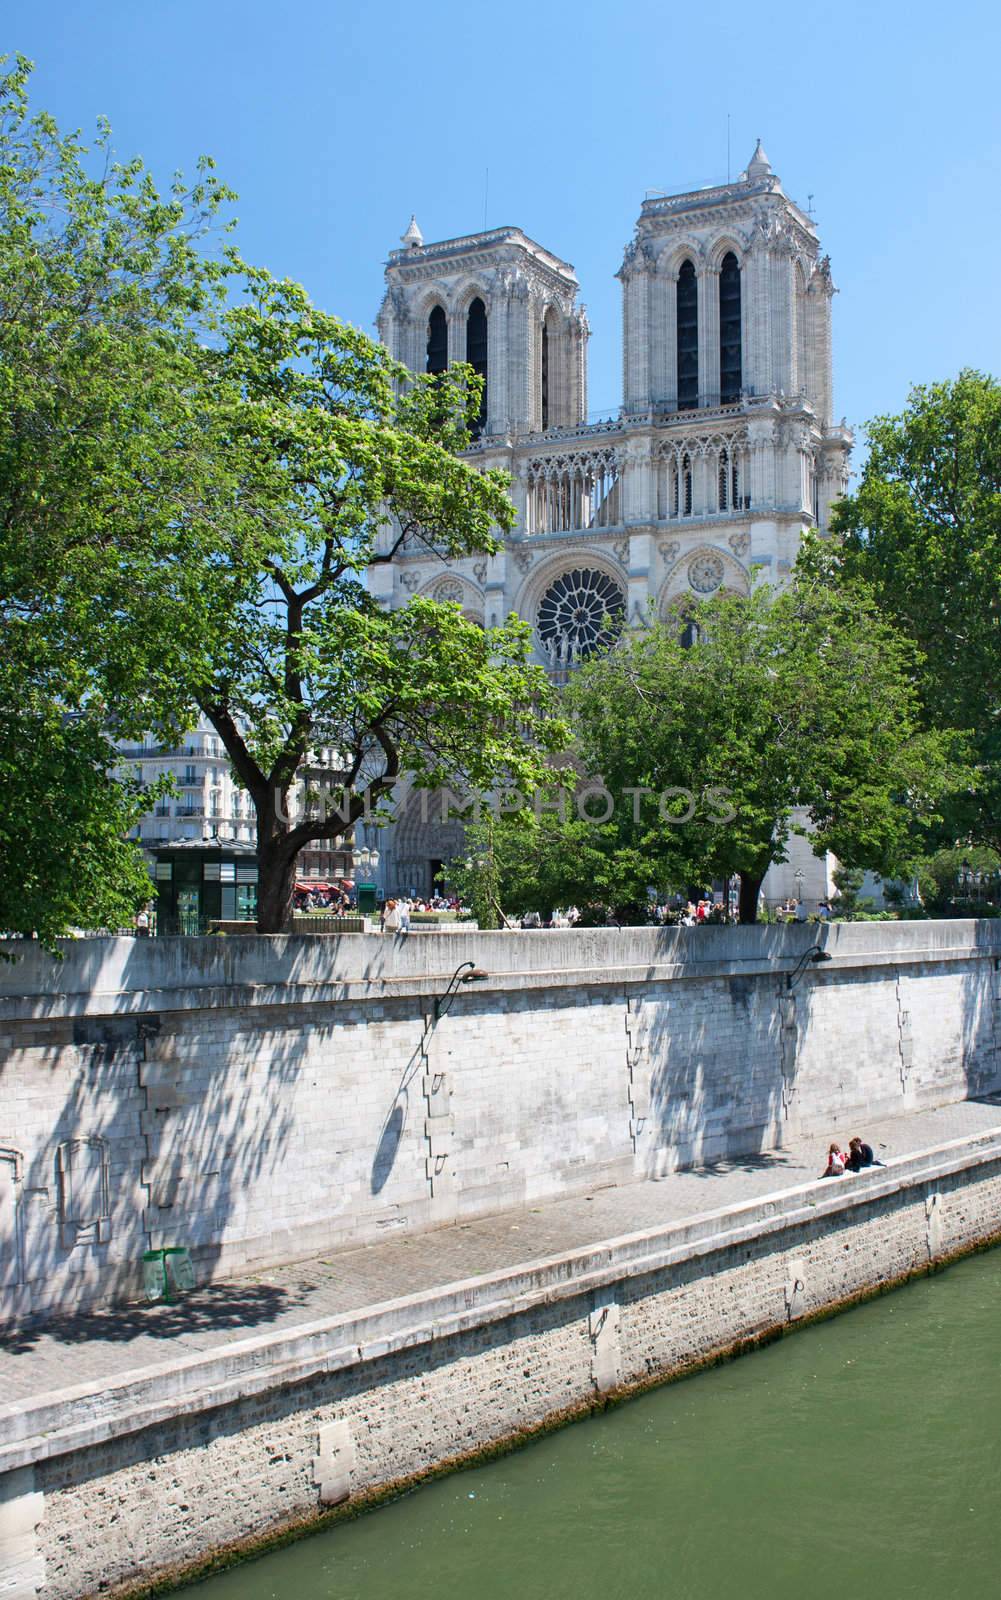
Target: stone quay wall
column 153, row 1475
column 256, row 1099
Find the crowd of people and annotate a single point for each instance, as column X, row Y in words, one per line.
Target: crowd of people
column 395, row 914
column 336, row 897
column 557, row 919
column 695, row 913
column 854, row 1159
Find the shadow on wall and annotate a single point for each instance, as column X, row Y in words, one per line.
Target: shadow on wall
column 165, row 1134
column 389, row 1144
column 722, row 1053
column 981, row 1015
column 726, row 1056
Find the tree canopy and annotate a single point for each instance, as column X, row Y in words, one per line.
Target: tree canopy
column 924, row 531
column 802, row 699
column 65, row 861
column 103, row 282
column 338, row 458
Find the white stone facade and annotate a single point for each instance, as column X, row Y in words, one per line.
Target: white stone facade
column 726, row 447
column 209, row 804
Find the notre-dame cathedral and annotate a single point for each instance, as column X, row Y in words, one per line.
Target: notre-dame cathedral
column 726, row 446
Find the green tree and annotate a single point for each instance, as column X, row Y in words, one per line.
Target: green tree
column 541, row 859
column 338, row 458
column 959, row 878
column 924, row 530
column 803, row 698
column 66, row 861
column 103, row 282
column 193, row 495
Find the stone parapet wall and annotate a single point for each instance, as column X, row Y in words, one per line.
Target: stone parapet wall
column 262, row 1098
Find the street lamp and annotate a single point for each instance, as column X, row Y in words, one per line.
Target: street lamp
column 465, row 972
column 814, row 955
column 965, row 878
column 732, row 897
column 364, row 859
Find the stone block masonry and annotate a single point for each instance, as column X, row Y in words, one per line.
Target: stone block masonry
column 261, row 1099
column 108, row 1486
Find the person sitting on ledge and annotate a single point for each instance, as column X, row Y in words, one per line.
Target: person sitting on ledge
column 860, row 1155
column 835, row 1163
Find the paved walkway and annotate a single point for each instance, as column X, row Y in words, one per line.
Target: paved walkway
column 101, row 1346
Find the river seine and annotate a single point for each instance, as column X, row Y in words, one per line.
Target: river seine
column 859, row 1457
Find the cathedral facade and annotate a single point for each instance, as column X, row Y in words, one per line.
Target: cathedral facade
column 725, row 449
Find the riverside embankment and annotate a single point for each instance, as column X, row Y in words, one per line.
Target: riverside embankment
column 269, row 1102
column 870, row 1441
column 148, row 1439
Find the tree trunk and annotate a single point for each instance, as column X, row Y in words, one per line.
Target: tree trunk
column 275, row 886
column 750, row 888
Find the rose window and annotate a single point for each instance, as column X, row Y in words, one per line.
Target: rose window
column 706, row 574
column 580, row 613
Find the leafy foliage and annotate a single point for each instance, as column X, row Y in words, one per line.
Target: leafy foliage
column 800, row 699
column 948, row 879
column 337, row 458
column 537, row 859
column 198, row 469
column 102, row 280
column 924, row 530
column 66, row 861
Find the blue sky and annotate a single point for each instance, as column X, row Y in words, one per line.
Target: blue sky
column 334, row 122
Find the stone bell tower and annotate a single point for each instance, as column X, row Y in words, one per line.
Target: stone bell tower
column 504, row 304
column 727, row 303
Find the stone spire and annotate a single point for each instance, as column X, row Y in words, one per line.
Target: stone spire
column 759, row 165
column 413, row 238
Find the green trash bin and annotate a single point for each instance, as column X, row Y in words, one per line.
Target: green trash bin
column 178, row 1269
column 167, row 1273
column 154, row 1283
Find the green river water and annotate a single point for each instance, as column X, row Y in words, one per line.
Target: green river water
column 858, row 1457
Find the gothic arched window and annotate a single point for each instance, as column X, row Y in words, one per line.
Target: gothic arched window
column 545, row 377
column 437, row 341
column 688, row 338
column 686, row 486
column 476, row 352
column 730, row 365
